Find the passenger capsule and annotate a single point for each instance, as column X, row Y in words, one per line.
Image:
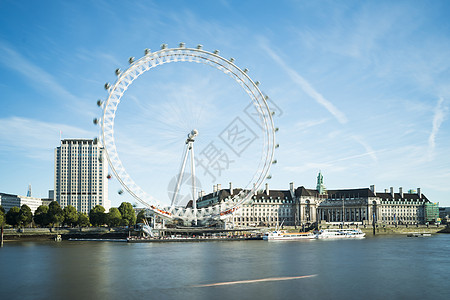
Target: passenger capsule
column 216, row 52
column 182, row 45
column 118, row 71
column 95, row 121
column 107, row 86
column 147, row 51
column 163, row 46
column 131, row 60
column 199, row 47
column 99, row 103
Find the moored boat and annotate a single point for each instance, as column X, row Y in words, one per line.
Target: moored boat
column 418, row 234
column 279, row 235
column 341, row 234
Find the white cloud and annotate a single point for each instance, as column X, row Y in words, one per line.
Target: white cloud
column 15, row 61
column 41, row 79
column 35, row 139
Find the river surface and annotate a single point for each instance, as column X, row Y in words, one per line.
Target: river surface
column 382, row 267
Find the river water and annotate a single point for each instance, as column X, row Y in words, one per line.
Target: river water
column 389, row 267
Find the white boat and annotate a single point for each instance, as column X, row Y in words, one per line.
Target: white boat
column 341, row 234
column 279, row 235
column 418, row 234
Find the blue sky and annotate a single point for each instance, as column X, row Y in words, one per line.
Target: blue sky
column 362, row 87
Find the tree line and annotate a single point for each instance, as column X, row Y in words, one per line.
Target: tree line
column 53, row 216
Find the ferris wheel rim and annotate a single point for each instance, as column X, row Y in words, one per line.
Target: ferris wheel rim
column 168, row 55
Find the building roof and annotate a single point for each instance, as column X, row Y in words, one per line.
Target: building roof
column 75, row 140
column 225, row 193
column 19, row 196
column 301, row 191
column 5, row 194
column 406, row 196
column 304, row 192
column 351, row 193
column 275, row 194
column 221, row 195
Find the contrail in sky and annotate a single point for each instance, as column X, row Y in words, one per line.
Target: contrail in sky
column 439, row 116
column 307, row 87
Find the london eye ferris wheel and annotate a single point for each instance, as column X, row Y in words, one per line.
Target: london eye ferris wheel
column 262, row 130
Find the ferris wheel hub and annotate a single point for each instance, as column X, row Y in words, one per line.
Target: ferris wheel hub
column 192, row 135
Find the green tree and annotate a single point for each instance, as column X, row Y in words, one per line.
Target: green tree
column 55, row 213
column 70, row 215
column 114, row 217
column 97, row 215
column 140, row 217
column 41, row 216
column 128, row 214
column 83, row 220
column 12, row 216
column 25, row 216
column 2, row 217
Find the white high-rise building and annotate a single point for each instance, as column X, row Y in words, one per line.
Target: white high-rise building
column 81, row 175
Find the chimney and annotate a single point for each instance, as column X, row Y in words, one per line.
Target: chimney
column 372, row 188
column 231, row 188
column 267, row 189
column 219, row 187
column 200, row 194
column 214, row 189
column 419, row 193
column 400, row 191
column 291, row 189
column 385, row 191
column 392, row 191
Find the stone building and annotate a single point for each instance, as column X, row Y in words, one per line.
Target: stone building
column 265, row 208
column 303, row 207
column 365, row 205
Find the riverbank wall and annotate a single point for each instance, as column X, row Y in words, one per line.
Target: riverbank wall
column 396, row 229
column 122, row 233
column 17, row 234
